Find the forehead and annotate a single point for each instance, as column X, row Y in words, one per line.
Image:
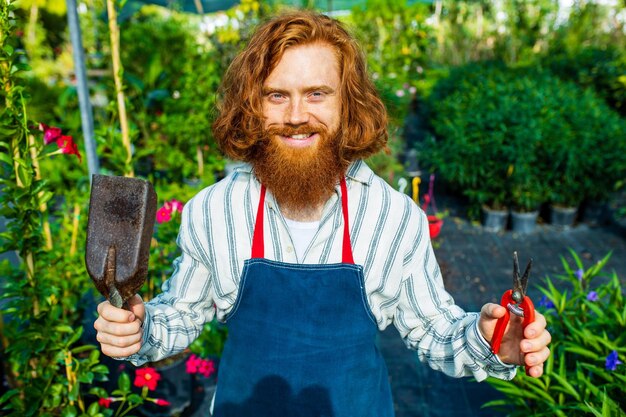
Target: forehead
column 306, row 64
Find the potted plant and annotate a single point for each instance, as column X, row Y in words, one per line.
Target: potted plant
column 520, row 137
column 527, row 191
column 585, row 157
column 492, row 200
column 565, row 198
column 481, row 119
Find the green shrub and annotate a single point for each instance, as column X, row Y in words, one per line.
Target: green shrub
column 518, row 137
column 588, row 159
column 584, row 376
column 603, row 70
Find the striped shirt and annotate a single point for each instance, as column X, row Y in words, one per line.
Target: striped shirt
column 390, row 239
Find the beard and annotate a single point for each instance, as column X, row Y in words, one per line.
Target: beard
column 299, row 178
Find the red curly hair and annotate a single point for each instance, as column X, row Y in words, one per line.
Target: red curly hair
column 240, row 124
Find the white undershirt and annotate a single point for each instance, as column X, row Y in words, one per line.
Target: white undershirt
column 302, row 233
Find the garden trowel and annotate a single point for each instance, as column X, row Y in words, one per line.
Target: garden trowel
column 122, row 211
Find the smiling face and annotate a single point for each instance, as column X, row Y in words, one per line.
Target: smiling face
column 301, row 96
column 299, row 161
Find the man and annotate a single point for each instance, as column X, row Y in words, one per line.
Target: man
column 304, row 252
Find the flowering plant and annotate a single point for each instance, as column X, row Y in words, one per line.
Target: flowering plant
column 585, row 374
column 198, row 365
column 47, row 367
column 124, row 399
column 65, row 143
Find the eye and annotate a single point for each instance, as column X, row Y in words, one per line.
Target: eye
column 317, row 95
column 276, row 97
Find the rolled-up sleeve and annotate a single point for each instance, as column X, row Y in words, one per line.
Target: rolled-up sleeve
column 444, row 336
column 175, row 317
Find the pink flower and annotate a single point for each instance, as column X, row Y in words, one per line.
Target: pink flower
column 105, row 402
column 162, row 402
column 192, row 364
column 196, row 365
column 67, row 145
column 163, row 215
column 176, row 205
column 147, row 377
column 206, row 368
column 50, row 133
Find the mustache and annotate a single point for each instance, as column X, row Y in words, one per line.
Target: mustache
column 306, row 129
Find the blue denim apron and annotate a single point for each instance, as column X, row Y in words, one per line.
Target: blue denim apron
column 301, row 340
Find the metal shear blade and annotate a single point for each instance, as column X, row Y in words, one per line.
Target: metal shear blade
column 520, row 282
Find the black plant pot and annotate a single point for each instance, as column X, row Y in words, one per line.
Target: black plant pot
column 175, row 386
column 203, row 392
column 494, row 220
column 563, row 217
column 524, row 222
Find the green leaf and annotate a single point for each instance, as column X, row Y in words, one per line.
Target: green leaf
column 621, row 378
column 86, row 378
column 8, row 49
column 93, row 409
column 123, row 382
column 541, row 394
column 595, row 269
column 581, row 351
column 560, row 413
column 598, row 371
column 100, row 369
column 497, row 403
column 567, row 386
column 77, row 334
column 593, row 410
column 83, row 348
column 135, row 399
column 606, row 411
column 64, row 328
column 99, row 392
column 69, row 411
column 6, row 159
column 8, row 395
column 44, row 197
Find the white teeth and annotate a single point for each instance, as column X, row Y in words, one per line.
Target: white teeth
column 300, row 137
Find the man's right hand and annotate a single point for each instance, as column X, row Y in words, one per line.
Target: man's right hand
column 119, row 330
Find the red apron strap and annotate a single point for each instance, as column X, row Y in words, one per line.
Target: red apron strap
column 257, row 239
column 346, row 256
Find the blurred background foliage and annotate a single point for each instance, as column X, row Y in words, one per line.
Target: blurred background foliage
column 508, row 101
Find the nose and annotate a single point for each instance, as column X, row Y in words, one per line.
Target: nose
column 297, row 113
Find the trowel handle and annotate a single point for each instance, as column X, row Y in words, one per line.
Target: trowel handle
column 109, row 278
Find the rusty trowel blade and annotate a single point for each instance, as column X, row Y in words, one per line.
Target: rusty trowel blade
column 122, row 211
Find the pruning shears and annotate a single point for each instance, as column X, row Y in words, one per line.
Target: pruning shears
column 515, row 301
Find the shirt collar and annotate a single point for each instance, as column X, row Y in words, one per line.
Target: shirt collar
column 357, row 171
column 360, row 172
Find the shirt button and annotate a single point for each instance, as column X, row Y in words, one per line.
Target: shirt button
column 289, row 249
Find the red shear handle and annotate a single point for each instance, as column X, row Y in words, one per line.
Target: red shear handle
column 502, row 322
column 529, row 316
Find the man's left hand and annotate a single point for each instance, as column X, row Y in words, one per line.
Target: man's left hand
column 528, row 347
